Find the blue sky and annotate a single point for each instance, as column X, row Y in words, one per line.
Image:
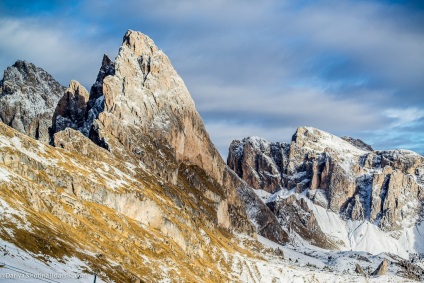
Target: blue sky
column 252, row 67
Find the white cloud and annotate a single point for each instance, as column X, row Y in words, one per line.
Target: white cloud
column 50, row 48
column 404, row 117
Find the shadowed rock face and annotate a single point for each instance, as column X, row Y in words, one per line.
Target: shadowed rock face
column 71, row 109
column 358, row 143
column 259, row 162
column 77, row 109
column 28, row 98
column 346, row 177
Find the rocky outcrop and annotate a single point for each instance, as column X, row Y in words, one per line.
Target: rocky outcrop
column 358, row 143
column 259, row 162
column 28, row 98
column 96, row 102
column 359, row 270
column 411, row 270
column 264, row 220
column 295, row 216
column 78, row 109
column 382, row 268
column 383, row 187
column 71, row 110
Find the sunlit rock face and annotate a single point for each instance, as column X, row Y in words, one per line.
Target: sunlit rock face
column 344, row 176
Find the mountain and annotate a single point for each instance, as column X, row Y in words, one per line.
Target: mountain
column 337, row 193
column 130, row 158
column 126, row 184
column 28, row 97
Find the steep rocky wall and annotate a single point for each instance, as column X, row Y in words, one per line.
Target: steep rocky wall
column 383, row 187
column 28, row 98
column 146, row 93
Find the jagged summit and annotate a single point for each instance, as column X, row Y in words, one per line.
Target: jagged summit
column 353, row 184
column 107, row 69
column 146, row 93
column 319, row 140
column 28, row 97
column 78, row 109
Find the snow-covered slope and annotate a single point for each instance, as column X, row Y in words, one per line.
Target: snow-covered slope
column 17, row 265
column 337, row 193
column 359, row 235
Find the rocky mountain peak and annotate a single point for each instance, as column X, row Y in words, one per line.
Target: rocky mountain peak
column 140, row 110
column 28, row 98
column 107, row 69
column 160, row 190
column 140, row 43
column 147, row 94
column 150, row 115
column 318, row 169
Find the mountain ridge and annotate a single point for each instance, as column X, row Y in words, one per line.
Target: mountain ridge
column 319, row 170
column 129, row 183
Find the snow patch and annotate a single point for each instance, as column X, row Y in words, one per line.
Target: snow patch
column 4, row 175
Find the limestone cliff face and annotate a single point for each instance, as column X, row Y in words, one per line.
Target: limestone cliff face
column 259, row 162
column 346, row 177
column 149, row 114
column 28, row 98
column 148, row 95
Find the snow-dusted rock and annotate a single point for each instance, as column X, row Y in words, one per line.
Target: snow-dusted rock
column 358, row 143
column 259, row 162
column 382, row 268
column 28, row 98
column 359, row 270
column 382, row 187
